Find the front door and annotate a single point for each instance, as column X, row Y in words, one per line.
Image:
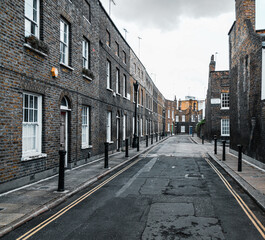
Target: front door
column 63, row 135
column 190, row 131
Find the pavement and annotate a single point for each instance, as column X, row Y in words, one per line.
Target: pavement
column 251, row 178
column 20, row 205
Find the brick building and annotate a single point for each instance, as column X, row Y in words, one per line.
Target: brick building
column 65, row 77
column 187, row 115
column 247, row 84
column 217, row 104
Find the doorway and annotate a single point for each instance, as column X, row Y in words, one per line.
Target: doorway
column 64, row 119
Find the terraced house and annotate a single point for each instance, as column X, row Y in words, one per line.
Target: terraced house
column 66, row 76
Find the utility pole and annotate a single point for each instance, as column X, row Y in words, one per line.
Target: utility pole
column 125, row 33
column 110, row 5
column 139, row 46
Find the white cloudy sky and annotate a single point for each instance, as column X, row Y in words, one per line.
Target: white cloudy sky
column 178, row 39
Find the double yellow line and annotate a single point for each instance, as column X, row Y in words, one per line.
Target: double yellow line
column 74, row 203
column 240, row 201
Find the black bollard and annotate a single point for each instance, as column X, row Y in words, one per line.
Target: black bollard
column 126, row 147
column 223, row 149
column 106, row 162
column 146, row 138
column 138, row 144
column 151, row 138
column 156, row 137
column 61, row 171
column 239, row 158
column 202, row 139
column 215, row 144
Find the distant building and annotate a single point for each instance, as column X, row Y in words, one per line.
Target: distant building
column 217, row 104
column 247, row 73
column 187, row 115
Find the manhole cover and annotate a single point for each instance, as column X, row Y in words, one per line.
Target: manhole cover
column 194, row 175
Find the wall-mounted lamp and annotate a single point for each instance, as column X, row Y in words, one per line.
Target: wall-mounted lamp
column 54, row 72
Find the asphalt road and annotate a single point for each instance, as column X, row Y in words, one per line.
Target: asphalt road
column 170, row 193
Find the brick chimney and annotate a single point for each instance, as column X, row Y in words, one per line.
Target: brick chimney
column 212, row 64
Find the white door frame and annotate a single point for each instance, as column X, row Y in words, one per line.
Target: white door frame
column 66, row 110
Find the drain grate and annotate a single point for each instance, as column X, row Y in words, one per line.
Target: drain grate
column 194, row 176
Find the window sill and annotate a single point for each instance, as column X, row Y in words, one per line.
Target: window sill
column 35, row 50
column 109, row 89
column 118, row 94
column 225, row 108
column 33, row 157
column 87, row 147
column 66, row 66
column 88, row 78
column 110, row 142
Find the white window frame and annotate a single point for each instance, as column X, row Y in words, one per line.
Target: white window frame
column 263, row 74
column 224, row 101
column 31, row 20
column 168, row 113
column 260, row 6
column 146, row 127
column 173, row 115
column 225, row 127
column 86, row 47
column 35, row 121
column 109, row 127
column 85, row 126
column 183, row 118
column 177, row 118
column 118, row 83
column 141, row 127
column 108, row 71
column 182, row 129
column 133, row 123
column 124, row 86
column 192, row 118
column 168, row 127
column 124, row 126
column 64, row 42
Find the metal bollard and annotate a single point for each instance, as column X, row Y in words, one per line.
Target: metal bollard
column 202, row 139
column 126, row 147
column 146, row 138
column 106, row 162
column 223, row 149
column 156, row 137
column 152, row 139
column 138, row 144
column 61, row 171
column 215, row 144
column 239, row 168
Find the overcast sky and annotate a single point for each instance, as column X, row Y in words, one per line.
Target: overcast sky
column 178, row 39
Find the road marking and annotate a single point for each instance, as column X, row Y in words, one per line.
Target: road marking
column 240, row 201
column 147, row 167
column 74, row 203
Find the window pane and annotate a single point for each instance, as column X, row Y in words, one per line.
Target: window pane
column 29, row 10
column 27, row 28
column 31, row 102
column 30, row 115
column 35, row 102
column 35, row 116
column 26, row 115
